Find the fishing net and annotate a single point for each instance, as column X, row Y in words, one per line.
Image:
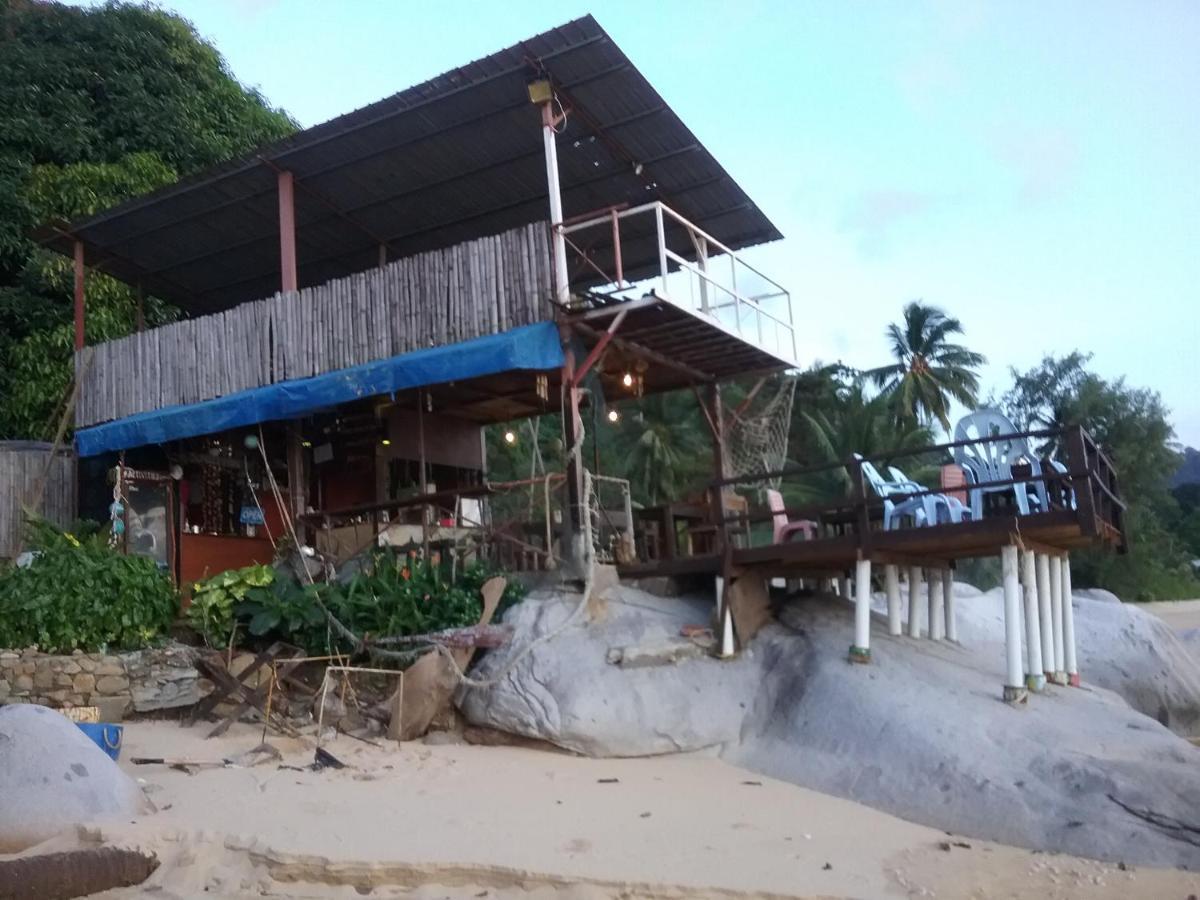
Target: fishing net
column 758, row 436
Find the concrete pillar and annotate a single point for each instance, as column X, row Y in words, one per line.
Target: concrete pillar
column 1014, row 682
column 860, row 651
column 1069, row 625
column 1035, row 678
column 914, row 601
column 891, row 576
column 1044, row 615
column 948, row 602
column 1056, row 618
column 934, row 580
column 844, row 588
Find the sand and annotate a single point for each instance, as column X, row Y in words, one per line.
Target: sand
column 1182, row 615
column 463, row 821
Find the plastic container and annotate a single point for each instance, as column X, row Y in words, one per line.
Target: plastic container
column 104, row 735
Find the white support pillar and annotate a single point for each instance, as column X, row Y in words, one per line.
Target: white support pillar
column 1014, row 683
column 725, row 621
column 933, row 578
column 860, row 652
column 891, row 577
column 948, row 604
column 844, row 588
column 562, row 289
column 1056, row 618
column 914, row 601
column 1035, row 677
column 1069, row 625
column 1044, row 614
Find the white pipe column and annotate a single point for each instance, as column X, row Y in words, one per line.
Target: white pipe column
column 1014, row 684
column 562, row 289
column 725, row 621
column 1035, row 678
column 948, row 604
column 1044, row 614
column 844, row 589
column 914, row 601
column 934, row 579
column 1056, row 613
column 1069, row 625
column 891, row 577
column 860, row 652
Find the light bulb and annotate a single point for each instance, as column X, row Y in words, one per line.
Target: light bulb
column 627, row 379
column 613, row 415
column 510, row 437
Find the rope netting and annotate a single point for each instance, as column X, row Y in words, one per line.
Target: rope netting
column 758, row 438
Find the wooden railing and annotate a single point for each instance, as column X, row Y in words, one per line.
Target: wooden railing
column 457, row 293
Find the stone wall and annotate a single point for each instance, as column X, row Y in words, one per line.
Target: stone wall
column 117, row 683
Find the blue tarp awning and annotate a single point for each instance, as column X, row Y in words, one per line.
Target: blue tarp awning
column 531, row 347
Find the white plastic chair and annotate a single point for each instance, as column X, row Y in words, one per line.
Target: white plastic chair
column 898, row 501
column 987, row 460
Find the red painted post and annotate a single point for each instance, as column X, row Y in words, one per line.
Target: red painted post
column 287, row 232
column 79, row 295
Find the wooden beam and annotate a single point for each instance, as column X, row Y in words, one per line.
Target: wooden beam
column 646, row 353
column 287, row 231
column 601, row 345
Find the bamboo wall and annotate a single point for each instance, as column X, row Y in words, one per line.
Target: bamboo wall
column 22, row 465
column 443, row 296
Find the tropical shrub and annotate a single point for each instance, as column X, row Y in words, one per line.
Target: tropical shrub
column 211, row 611
column 80, row 594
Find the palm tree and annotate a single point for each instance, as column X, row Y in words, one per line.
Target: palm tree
column 664, row 448
column 929, row 371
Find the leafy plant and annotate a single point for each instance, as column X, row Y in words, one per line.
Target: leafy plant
column 211, row 611
column 79, row 593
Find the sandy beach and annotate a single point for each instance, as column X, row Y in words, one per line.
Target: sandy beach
column 467, row 821
column 1181, row 615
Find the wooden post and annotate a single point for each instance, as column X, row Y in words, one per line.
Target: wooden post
column 79, row 333
column 572, row 549
column 424, row 475
column 297, row 493
column 720, row 468
column 287, row 232
column 141, row 308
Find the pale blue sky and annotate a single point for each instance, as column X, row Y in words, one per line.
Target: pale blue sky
column 1034, row 168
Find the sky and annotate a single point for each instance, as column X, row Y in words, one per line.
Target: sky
column 1031, row 168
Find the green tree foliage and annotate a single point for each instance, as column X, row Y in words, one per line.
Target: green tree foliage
column 928, row 370
column 1133, row 427
column 96, row 105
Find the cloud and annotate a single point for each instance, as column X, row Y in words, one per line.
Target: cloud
column 875, row 215
column 1046, row 160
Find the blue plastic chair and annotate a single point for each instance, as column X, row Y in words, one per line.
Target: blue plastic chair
column 955, row 511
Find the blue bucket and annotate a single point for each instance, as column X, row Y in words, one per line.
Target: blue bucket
column 106, row 737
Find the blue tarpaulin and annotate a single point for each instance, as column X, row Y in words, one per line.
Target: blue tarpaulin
column 531, row 347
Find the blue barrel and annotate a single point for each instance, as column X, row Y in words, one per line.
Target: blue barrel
column 105, row 736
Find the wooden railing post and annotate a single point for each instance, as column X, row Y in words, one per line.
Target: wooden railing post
column 1082, row 474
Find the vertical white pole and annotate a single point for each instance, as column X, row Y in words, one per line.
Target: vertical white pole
column 1035, row 678
column 725, row 618
column 1013, row 682
column 562, row 290
column 844, row 587
column 1044, row 614
column 914, row 601
column 948, row 601
column 933, row 579
column 891, row 577
column 1069, row 625
column 861, row 651
column 1056, row 612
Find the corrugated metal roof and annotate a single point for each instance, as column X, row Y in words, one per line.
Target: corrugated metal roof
column 452, row 159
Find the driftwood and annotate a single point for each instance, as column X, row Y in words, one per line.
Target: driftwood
column 455, row 638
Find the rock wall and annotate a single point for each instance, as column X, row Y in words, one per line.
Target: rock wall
column 139, row 681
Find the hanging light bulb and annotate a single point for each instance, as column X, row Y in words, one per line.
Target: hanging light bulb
column 613, row 415
column 627, row 379
column 510, row 437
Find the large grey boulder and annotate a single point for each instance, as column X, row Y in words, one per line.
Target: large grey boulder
column 921, row 732
column 53, row 777
column 568, row 693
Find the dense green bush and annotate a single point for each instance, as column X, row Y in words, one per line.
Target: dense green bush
column 394, row 594
column 79, row 593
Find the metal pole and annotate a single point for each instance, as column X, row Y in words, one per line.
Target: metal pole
column 562, row 289
column 616, row 234
column 287, row 231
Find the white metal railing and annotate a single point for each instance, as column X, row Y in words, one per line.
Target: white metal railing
column 700, row 274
